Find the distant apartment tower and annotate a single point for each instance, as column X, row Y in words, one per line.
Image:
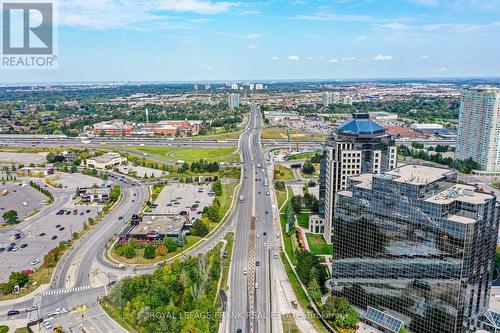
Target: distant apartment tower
column 360, row 145
column 235, row 86
column 259, row 86
column 233, row 100
column 207, row 86
column 413, row 248
column 478, row 134
column 330, row 98
column 347, row 100
column 195, row 86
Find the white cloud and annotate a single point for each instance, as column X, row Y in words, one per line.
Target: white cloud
column 109, row 14
column 395, row 26
column 334, row 61
column 348, row 59
column 251, row 46
column 293, row 58
column 381, row 57
column 196, row 6
column 361, row 38
column 275, row 58
column 310, row 58
column 424, row 57
column 253, row 36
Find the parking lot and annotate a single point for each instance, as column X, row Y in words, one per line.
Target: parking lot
column 189, row 198
column 37, row 236
column 22, row 198
column 38, row 239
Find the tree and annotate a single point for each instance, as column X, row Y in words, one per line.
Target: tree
column 149, row 251
column 217, row 187
column 129, row 252
column 308, row 168
column 11, row 217
column 296, row 203
column 314, row 290
column 199, row 228
column 161, row 250
column 115, row 193
column 339, row 312
column 170, row 243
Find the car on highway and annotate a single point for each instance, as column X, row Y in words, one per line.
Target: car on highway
column 275, row 255
column 244, row 272
column 12, row 312
column 120, row 217
column 42, row 234
column 265, row 244
column 58, row 226
column 61, row 228
column 264, row 233
column 267, row 193
column 257, row 263
column 54, row 237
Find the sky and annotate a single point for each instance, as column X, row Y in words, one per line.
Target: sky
column 201, row 40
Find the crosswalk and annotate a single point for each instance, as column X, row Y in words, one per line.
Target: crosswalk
column 65, row 291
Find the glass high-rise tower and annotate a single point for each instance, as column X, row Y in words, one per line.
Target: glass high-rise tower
column 478, row 135
column 412, row 246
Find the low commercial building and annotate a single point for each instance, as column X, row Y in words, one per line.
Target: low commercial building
column 112, row 128
column 35, row 171
column 106, row 161
column 90, row 194
column 149, row 227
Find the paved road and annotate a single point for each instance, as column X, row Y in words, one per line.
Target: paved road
column 250, row 301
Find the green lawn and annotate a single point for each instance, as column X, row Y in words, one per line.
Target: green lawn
column 300, row 156
column 318, row 245
column 303, row 219
column 283, row 173
column 4, row 329
column 280, row 197
column 190, row 154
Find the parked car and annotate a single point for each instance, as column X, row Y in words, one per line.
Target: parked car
column 61, row 228
column 42, row 234
column 12, row 312
column 35, row 262
column 54, row 237
column 58, row 226
column 24, row 245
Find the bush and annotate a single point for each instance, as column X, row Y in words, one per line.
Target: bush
column 129, row 252
column 162, row 250
column 199, row 228
column 149, row 251
column 170, row 244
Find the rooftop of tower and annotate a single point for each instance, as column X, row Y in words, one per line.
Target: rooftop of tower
column 360, row 124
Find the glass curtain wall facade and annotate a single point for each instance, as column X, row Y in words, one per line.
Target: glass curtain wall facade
column 412, row 243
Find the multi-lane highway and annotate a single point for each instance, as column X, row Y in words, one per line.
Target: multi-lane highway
column 250, row 301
